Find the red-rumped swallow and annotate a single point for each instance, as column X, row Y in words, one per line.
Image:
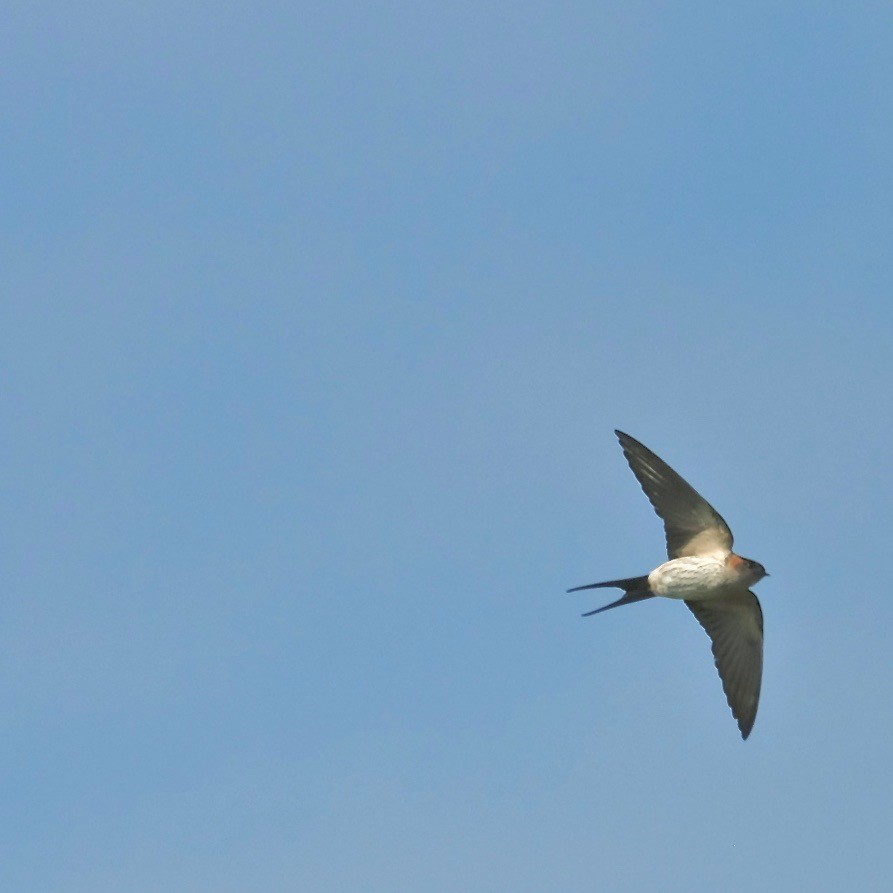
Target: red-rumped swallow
column 706, row 574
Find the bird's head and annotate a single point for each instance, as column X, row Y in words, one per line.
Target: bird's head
column 753, row 571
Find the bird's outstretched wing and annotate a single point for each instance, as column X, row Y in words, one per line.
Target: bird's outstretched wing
column 692, row 525
column 734, row 623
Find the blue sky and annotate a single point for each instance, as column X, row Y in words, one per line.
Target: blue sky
column 316, row 322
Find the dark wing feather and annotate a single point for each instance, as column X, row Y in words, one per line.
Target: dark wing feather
column 692, row 525
column 735, row 625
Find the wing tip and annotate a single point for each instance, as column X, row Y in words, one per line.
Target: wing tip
column 622, row 436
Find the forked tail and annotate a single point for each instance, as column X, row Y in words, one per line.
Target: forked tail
column 635, row 589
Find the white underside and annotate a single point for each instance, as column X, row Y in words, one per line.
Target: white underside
column 693, row 577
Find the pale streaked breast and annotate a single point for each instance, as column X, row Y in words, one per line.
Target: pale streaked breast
column 692, row 577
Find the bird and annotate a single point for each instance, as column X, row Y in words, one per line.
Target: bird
column 705, row 573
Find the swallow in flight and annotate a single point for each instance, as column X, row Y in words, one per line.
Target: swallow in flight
column 706, row 574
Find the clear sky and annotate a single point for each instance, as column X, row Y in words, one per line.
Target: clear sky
column 316, row 321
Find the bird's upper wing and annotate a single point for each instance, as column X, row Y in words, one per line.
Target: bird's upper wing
column 734, row 623
column 692, row 525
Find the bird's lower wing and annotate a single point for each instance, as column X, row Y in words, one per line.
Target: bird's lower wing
column 735, row 625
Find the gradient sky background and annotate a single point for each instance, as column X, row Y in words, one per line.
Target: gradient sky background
column 316, row 321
